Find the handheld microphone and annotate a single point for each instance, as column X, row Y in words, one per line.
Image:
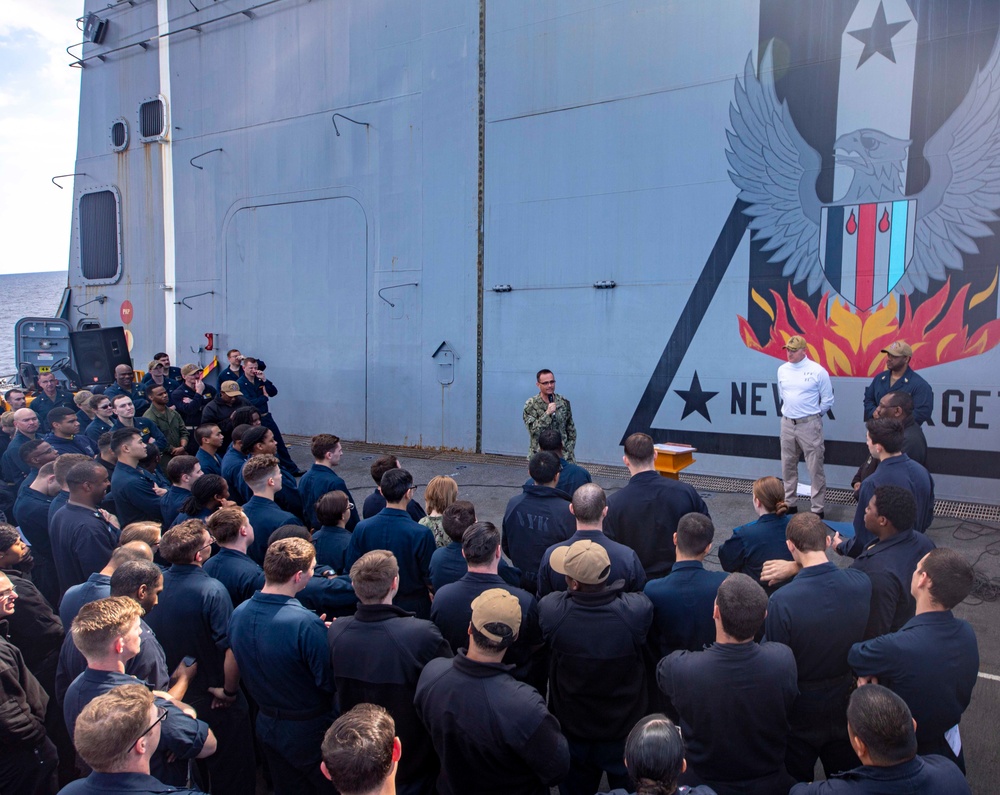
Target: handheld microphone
column 550, row 398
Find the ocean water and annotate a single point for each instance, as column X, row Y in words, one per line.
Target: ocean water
column 25, row 295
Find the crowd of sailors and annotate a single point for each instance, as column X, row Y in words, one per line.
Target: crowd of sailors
column 183, row 610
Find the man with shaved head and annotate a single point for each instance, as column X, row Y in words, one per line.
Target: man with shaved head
column 26, row 425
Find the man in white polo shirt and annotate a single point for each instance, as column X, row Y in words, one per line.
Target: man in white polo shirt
column 806, row 395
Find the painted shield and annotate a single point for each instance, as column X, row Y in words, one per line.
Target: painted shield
column 866, row 248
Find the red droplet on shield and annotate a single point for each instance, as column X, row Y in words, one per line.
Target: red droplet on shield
column 883, row 222
column 852, row 224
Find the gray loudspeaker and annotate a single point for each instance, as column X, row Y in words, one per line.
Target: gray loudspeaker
column 97, row 352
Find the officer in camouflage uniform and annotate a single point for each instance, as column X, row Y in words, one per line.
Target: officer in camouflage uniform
column 549, row 410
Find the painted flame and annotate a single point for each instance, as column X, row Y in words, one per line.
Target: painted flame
column 849, row 342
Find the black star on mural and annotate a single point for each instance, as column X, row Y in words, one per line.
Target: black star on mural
column 878, row 38
column 695, row 398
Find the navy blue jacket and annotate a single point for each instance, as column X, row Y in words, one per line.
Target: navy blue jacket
column 169, row 383
column 895, row 471
column 61, row 498
column 734, row 702
column 411, row 543
column 682, row 607
column 644, row 515
column 149, row 665
column 265, row 517
column 132, row 491
column 922, row 774
column 889, row 565
column 331, row 547
column 332, row 596
column 257, row 392
column 493, row 734
column 232, row 471
column 377, row 656
column 238, row 572
column 30, row 513
column 96, row 586
column 80, row 444
column 448, row 565
column 597, row 674
column 82, row 543
column 180, row 736
column 911, row 383
column 42, row 405
column 123, row 783
column 171, row 502
column 189, row 404
column 202, row 514
column 97, row 429
column 375, row 502
column 12, row 467
column 210, row 464
column 754, row 544
column 149, row 430
column 289, row 676
column 535, row 519
column 452, row 612
column 932, row 664
column 571, row 477
column 137, row 395
column 819, row 615
column 316, row 482
column 192, row 618
column 625, row 564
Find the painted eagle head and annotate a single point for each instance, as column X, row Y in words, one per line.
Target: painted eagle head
column 877, row 159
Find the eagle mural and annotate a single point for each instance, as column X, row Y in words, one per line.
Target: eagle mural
column 874, row 242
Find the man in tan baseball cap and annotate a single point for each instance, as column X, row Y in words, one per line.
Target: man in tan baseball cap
column 596, row 635
column 900, row 377
column 584, row 563
column 496, row 617
column 485, row 725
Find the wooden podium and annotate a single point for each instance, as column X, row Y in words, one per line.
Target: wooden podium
column 672, row 458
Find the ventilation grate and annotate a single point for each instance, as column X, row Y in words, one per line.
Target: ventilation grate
column 153, row 120
column 119, row 135
column 100, row 251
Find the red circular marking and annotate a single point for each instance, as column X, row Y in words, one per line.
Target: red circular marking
column 127, row 312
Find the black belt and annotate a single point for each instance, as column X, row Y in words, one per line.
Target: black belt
column 295, row 714
column 803, row 419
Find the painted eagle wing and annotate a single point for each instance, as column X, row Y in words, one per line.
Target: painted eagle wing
column 776, row 171
column 963, row 192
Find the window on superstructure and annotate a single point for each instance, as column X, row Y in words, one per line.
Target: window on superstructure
column 119, row 135
column 100, row 236
column 152, row 120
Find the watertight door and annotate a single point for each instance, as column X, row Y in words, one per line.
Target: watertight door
column 297, row 297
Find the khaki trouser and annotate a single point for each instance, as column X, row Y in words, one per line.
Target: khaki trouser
column 806, row 436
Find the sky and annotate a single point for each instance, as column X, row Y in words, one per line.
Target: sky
column 39, row 97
